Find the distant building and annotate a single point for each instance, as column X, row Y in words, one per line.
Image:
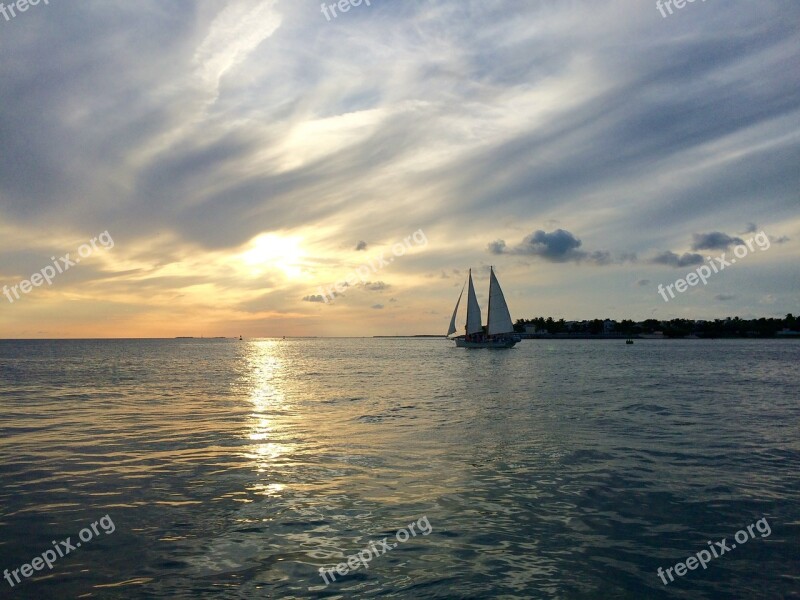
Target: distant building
column 656, row 335
column 787, row 333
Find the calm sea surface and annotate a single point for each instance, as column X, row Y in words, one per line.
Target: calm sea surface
column 559, row 469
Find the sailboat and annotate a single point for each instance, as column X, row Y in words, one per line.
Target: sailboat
column 499, row 330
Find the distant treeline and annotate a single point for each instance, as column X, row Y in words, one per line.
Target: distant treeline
column 729, row 327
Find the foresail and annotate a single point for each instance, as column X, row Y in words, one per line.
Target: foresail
column 499, row 317
column 473, row 310
column 452, row 328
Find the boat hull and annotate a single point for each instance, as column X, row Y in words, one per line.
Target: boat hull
column 500, row 342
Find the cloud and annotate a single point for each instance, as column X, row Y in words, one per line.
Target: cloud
column 643, row 282
column 497, row 247
column 671, row 259
column 362, row 245
column 599, row 257
column 218, row 122
column 557, row 246
column 780, row 240
column 716, row 240
column 724, row 297
column 375, row 286
column 235, row 33
column 750, row 228
column 314, row 298
column 377, row 306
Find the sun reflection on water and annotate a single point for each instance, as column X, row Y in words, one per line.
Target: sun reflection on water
column 264, row 381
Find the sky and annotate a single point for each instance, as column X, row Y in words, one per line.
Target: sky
column 234, row 161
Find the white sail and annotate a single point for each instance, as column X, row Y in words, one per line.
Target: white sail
column 452, row 328
column 473, row 310
column 499, row 317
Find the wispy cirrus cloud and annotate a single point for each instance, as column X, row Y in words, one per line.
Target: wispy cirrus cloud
column 218, row 123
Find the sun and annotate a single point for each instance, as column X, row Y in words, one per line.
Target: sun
column 270, row 250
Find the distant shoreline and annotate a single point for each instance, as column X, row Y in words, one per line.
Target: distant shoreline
column 579, row 336
column 419, row 335
column 794, row 335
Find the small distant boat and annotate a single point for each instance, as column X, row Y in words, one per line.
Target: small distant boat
column 628, row 341
column 499, row 330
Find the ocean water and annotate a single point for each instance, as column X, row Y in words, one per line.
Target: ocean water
column 558, row 469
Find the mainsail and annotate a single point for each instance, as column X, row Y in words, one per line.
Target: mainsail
column 452, row 328
column 473, row 310
column 499, row 317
